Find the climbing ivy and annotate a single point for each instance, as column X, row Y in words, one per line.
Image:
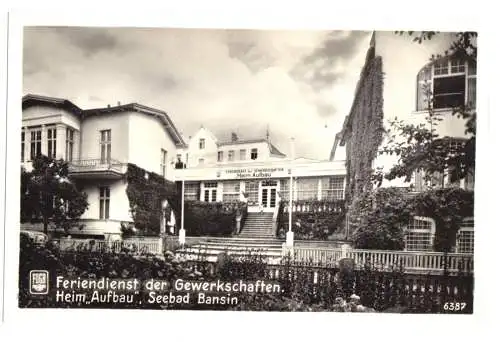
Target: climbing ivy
column 364, row 128
column 146, row 191
column 379, row 217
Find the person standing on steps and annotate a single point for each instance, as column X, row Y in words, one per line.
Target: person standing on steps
column 261, row 208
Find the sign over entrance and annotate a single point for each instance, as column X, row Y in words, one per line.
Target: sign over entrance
column 262, row 172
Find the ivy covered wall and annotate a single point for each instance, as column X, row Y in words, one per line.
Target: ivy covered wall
column 363, row 129
column 146, row 191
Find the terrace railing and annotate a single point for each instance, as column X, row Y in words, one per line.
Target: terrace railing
column 88, row 165
column 414, row 261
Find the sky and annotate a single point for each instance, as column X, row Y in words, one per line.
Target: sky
column 297, row 84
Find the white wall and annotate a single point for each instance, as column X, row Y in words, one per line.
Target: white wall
column 119, row 204
column 209, row 153
column 91, row 126
column 147, row 137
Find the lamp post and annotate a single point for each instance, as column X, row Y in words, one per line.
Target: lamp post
column 182, row 231
column 289, row 234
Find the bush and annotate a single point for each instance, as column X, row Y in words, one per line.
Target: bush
column 212, row 218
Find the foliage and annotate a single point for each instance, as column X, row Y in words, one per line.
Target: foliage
column 377, row 217
column 318, row 220
column 363, row 290
column 146, row 191
column 380, row 217
column 363, row 130
column 49, row 196
column 448, row 207
column 212, row 218
column 418, row 147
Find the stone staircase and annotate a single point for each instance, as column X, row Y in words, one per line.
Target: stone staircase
column 211, row 248
column 258, row 225
column 256, row 238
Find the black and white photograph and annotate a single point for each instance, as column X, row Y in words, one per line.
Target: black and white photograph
column 247, row 169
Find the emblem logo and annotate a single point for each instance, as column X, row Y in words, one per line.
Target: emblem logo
column 39, row 282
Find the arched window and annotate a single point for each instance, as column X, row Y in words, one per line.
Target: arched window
column 449, row 82
column 420, row 234
column 465, row 236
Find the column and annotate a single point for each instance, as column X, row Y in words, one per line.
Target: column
column 27, row 144
column 242, row 189
column 220, row 190
column 77, row 152
column 60, row 141
column 45, row 149
column 319, row 188
column 202, row 191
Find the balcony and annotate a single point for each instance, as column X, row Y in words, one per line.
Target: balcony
column 97, row 168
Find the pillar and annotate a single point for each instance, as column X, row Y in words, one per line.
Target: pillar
column 45, row 148
column 60, row 141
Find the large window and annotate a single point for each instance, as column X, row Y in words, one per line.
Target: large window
column 465, row 236
column 163, row 162
column 230, row 155
column 22, row 146
column 307, row 189
column 210, row 192
column 420, row 234
column 70, row 136
column 252, row 191
column 36, row 143
column 220, row 156
column 231, row 191
column 332, row 188
column 105, row 144
column 104, row 197
column 253, row 154
column 201, row 144
column 243, row 154
column 51, row 142
column 285, row 189
column 192, row 191
column 451, row 83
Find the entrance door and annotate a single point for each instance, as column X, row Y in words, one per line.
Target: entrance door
column 269, row 190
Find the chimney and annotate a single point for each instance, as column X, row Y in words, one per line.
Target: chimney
column 234, row 137
column 109, row 106
column 119, row 103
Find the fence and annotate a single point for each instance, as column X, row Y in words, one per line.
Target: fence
column 379, row 290
column 424, row 262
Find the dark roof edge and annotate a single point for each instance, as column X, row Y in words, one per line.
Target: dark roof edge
column 29, row 99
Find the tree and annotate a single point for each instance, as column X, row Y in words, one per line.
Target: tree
column 49, row 196
column 418, row 147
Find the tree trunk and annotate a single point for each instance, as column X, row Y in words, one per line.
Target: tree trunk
column 45, row 226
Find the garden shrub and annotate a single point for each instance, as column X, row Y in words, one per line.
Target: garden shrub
column 319, row 221
column 212, row 218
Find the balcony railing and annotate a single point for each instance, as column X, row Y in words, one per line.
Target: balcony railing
column 96, row 165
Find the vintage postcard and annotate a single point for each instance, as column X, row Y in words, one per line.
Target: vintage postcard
column 247, row 170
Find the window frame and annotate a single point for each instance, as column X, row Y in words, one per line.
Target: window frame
column 23, row 139
column 220, row 156
column 201, row 144
column 104, row 202
column 230, row 155
column 70, row 142
column 163, row 162
column 431, row 232
column 432, row 75
column 466, row 226
column 105, row 146
column 35, row 143
column 243, row 154
column 52, row 142
column 254, row 151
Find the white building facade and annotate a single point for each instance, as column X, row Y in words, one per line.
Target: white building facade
column 254, row 171
column 98, row 144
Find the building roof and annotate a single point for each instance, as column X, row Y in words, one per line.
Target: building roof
column 136, row 107
column 37, row 100
column 273, row 149
column 30, row 100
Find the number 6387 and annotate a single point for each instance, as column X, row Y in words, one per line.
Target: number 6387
column 454, row 306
